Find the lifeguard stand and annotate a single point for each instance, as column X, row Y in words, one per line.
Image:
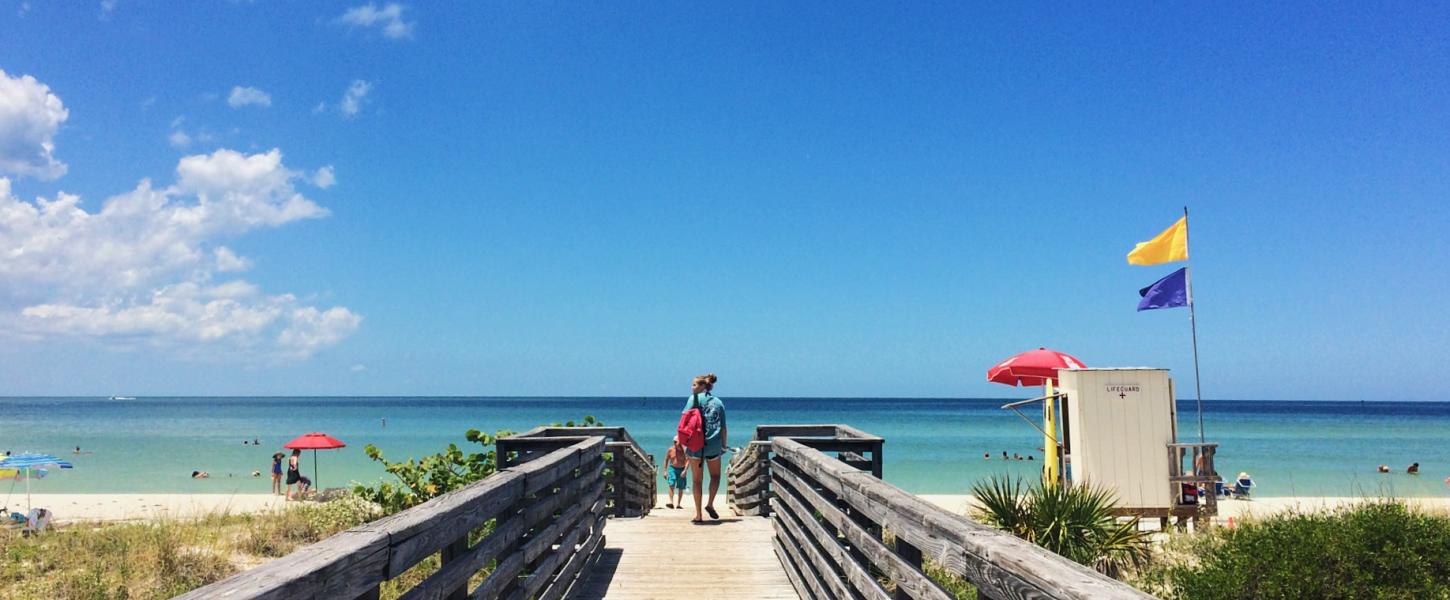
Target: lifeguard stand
column 1121, row 432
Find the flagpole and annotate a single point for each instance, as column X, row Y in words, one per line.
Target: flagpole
column 1193, row 326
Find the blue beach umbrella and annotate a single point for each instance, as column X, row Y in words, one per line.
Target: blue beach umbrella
column 30, row 466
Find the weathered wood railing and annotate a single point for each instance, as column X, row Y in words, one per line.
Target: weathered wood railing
column 547, row 522
column 748, row 485
column 843, row 533
column 630, row 480
column 1201, row 475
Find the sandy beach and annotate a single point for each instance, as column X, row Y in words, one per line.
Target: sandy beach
column 71, row 508
column 1235, row 509
column 1239, row 509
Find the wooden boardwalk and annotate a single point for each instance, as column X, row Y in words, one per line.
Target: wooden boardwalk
column 664, row 556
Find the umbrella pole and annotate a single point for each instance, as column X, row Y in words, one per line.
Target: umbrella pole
column 28, row 507
column 316, row 480
column 1049, row 439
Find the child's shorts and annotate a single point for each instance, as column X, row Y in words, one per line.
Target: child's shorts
column 675, row 477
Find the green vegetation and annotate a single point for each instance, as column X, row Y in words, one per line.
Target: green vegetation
column 160, row 559
column 954, row 584
column 437, row 474
column 433, row 475
column 163, row 558
column 1380, row 549
column 1076, row 522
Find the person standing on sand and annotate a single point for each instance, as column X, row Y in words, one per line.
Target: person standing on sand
column 712, row 410
column 293, row 474
column 277, row 473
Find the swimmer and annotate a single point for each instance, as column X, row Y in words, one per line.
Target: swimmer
column 200, row 474
column 1414, row 469
column 1383, row 469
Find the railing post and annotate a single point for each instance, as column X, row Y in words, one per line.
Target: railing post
column 876, row 461
column 912, row 555
column 450, row 553
column 616, row 480
column 764, row 485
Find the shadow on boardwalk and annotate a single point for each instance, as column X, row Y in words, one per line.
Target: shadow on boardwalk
column 663, row 555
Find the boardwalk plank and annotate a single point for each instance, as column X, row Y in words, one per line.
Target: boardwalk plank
column 664, row 556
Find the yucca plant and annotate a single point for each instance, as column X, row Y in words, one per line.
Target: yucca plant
column 1076, row 522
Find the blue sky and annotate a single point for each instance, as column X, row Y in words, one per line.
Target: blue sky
column 806, row 199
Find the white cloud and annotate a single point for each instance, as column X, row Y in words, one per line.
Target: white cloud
column 388, row 19
column 352, row 99
column 228, row 262
column 179, row 139
column 358, row 367
column 248, row 96
column 324, row 178
column 144, row 267
column 107, row 7
column 30, row 115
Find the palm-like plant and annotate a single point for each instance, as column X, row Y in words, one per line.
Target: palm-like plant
column 1076, row 522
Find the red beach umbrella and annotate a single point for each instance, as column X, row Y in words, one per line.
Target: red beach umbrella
column 1032, row 368
column 314, row 441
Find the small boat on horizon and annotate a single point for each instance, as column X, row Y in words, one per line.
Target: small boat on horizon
column 123, row 397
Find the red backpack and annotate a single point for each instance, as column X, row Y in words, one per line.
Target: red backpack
column 692, row 429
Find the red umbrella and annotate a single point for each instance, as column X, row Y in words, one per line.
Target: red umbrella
column 1032, row 368
column 314, row 441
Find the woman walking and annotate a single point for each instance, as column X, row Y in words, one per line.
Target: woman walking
column 712, row 412
column 293, row 474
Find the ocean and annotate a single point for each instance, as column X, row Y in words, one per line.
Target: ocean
column 933, row 446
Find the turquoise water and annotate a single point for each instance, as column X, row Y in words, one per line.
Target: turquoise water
column 932, row 445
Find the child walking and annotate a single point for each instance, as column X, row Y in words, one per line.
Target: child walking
column 675, row 474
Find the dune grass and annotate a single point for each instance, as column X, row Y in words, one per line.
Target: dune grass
column 160, row 559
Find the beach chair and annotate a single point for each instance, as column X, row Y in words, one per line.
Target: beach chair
column 37, row 521
column 1243, row 484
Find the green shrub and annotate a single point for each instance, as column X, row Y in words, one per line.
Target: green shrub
column 1379, row 549
column 1075, row 522
column 437, row 474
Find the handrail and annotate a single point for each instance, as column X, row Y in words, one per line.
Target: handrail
column 630, row 482
column 748, row 481
column 1202, row 475
column 548, row 522
column 842, row 532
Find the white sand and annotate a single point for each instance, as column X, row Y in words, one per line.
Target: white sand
column 1239, row 509
column 70, row 508
column 1236, row 509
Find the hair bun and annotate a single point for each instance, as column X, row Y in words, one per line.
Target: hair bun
column 710, row 377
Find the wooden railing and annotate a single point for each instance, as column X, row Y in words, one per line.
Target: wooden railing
column 842, row 532
column 748, row 484
column 547, row 518
column 1200, row 475
column 630, row 472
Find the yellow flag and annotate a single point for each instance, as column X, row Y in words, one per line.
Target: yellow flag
column 1168, row 246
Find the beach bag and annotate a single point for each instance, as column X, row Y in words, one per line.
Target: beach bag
column 692, row 429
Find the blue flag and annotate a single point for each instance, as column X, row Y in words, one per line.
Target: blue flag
column 1168, row 292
